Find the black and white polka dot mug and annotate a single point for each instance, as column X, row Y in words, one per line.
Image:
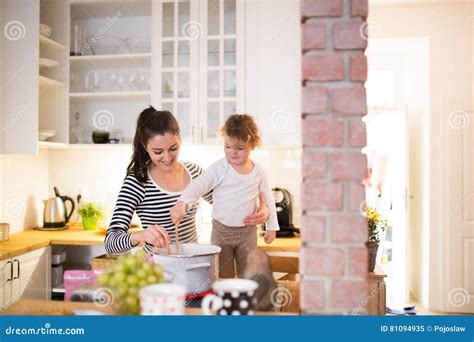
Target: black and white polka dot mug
column 231, row 297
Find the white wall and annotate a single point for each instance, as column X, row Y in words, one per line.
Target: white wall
column 449, row 30
column 24, row 183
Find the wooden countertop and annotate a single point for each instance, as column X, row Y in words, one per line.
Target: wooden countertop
column 29, row 240
column 53, row 307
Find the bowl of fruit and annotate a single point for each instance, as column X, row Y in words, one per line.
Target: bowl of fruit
column 126, row 276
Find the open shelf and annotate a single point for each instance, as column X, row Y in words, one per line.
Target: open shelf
column 47, row 63
column 112, row 95
column 99, row 146
column 47, row 42
column 52, row 145
column 106, row 60
column 48, row 82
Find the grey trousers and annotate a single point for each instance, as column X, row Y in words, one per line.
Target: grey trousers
column 236, row 244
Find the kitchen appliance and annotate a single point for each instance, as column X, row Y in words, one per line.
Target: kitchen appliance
column 196, row 267
column 283, row 203
column 55, row 214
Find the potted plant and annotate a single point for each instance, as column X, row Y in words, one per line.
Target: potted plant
column 376, row 225
column 91, row 214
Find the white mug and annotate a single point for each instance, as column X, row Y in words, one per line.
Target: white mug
column 162, row 299
column 232, row 297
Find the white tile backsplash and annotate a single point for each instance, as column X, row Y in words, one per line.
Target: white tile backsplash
column 24, row 184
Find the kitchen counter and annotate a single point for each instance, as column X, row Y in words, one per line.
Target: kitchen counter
column 290, row 290
column 29, row 240
column 54, row 307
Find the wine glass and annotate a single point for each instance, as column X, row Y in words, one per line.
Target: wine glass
column 120, row 82
column 133, row 80
column 96, row 82
column 112, row 79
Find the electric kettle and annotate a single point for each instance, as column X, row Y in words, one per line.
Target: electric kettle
column 55, row 214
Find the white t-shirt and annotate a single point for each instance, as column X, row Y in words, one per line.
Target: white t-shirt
column 235, row 195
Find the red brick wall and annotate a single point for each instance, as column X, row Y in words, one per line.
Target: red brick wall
column 334, row 69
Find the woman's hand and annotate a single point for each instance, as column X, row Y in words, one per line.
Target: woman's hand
column 178, row 211
column 270, row 235
column 261, row 215
column 155, row 235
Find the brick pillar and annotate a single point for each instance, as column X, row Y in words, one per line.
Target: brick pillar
column 334, row 69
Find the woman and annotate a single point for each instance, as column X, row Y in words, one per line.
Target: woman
column 154, row 182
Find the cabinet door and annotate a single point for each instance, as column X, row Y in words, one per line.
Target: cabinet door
column 5, row 282
column 32, row 279
column 222, row 65
column 177, row 62
column 19, row 48
column 273, row 69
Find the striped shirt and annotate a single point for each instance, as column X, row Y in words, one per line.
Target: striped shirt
column 152, row 205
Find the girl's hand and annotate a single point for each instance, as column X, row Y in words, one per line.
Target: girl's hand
column 261, row 215
column 155, row 235
column 178, row 211
column 270, row 235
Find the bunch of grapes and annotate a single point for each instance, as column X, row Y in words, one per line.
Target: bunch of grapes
column 127, row 275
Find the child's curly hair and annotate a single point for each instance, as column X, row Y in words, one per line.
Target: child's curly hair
column 242, row 127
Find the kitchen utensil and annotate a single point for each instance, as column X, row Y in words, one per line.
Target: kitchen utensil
column 162, row 299
column 78, row 41
column 177, row 237
column 58, row 258
column 233, row 297
column 55, row 214
column 196, row 267
column 56, row 275
column 100, row 137
column 44, row 134
column 4, row 231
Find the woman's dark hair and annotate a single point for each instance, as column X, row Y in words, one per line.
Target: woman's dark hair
column 150, row 122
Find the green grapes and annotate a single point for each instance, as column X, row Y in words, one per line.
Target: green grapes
column 127, row 275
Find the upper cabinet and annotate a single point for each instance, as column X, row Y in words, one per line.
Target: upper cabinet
column 110, row 68
column 97, row 64
column 201, row 64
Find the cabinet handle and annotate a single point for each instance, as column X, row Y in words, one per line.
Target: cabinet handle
column 11, row 270
column 192, row 134
column 17, row 269
column 202, row 134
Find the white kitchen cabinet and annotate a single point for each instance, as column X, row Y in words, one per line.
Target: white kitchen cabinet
column 33, row 74
column 110, row 76
column 26, row 276
column 273, row 69
column 200, row 62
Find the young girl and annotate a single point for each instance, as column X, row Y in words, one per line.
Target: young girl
column 236, row 181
